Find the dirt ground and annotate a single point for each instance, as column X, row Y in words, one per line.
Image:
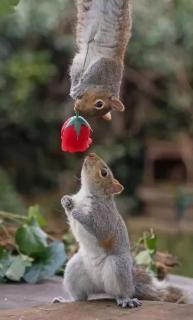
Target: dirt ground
column 103, row 310
column 32, row 302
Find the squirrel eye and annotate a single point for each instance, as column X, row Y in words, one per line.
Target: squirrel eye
column 99, row 104
column 104, row 172
column 79, row 97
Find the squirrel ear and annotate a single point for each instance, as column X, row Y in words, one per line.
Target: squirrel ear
column 107, row 116
column 116, row 104
column 116, row 187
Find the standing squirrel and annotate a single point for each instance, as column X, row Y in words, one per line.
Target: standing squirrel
column 103, row 32
column 104, row 262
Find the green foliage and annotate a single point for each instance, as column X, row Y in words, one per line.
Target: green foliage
column 10, row 200
column 36, row 49
column 5, row 261
column 17, row 268
column 46, row 267
column 31, row 239
column 161, row 54
column 146, row 257
column 8, row 7
column 34, row 258
column 34, row 60
column 25, row 72
column 35, row 214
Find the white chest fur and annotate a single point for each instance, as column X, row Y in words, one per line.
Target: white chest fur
column 86, row 240
column 93, row 255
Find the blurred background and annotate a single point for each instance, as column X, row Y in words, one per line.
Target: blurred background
column 149, row 148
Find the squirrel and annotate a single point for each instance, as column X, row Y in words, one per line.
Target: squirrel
column 103, row 32
column 104, row 261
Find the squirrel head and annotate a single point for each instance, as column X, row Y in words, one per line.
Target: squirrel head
column 98, row 178
column 98, row 103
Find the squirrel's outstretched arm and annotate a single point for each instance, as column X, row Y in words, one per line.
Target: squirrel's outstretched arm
column 84, row 218
column 80, row 214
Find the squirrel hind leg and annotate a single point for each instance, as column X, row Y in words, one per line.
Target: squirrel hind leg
column 76, row 280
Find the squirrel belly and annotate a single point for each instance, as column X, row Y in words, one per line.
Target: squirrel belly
column 102, row 74
column 106, row 24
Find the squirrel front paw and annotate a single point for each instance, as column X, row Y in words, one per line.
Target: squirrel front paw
column 67, row 202
column 128, row 302
column 75, row 214
column 76, row 91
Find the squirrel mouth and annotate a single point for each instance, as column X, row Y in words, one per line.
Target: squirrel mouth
column 92, row 155
column 76, row 106
column 90, row 159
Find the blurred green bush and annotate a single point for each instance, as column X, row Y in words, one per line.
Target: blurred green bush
column 9, row 198
column 37, row 44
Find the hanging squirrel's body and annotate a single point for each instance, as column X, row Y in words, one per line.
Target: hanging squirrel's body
column 103, row 31
column 106, row 23
column 104, row 262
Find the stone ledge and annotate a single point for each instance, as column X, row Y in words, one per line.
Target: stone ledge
column 30, row 302
column 16, row 296
column 103, row 310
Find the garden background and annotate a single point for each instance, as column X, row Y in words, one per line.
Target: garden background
column 37, row 44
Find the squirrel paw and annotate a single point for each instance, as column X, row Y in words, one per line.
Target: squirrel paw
column 67, row 202
column 75, row 214
column 58, row 300
column 128, row 303
column 76, row 91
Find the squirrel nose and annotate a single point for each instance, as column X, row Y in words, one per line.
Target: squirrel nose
column 77, row 105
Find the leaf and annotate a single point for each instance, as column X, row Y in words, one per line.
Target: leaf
column 17, row 269
column 31, row 240
column 143, row 258
column 46, row 268
column 34, row 213
column 5, row 9
column 7, row 6
column 14, row 2
column 5, row 261
column 150, row 241
column 77, row 122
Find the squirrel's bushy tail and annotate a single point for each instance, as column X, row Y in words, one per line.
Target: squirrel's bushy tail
column 148, row 288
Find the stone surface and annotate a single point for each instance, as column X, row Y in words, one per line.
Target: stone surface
column 103, row 310
column 13, row 296
column 32, row 302
column 28, row 295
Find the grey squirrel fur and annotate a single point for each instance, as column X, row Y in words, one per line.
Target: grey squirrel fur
column 103, row 32
column 104, row 262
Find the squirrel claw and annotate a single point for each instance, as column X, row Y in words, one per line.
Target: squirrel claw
column 67, row 202
column 128, row 303
column 58, row 300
